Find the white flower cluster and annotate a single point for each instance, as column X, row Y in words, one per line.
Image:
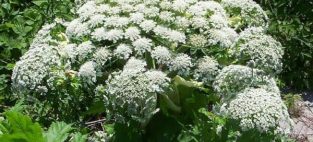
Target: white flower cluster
column 182, row 64
column 29, row 73
column 43, row 36
column 88, row 73
column 207, row 70
column 101, row 56
column 224, row 37
column 123, row 51
column 198, row 40
column 80, row 53
column 258, row 109
column 132, row 92
column 260, row 50
column 142, row 45
column 250, row 13
column 235, row 78
column 77, row 28
column 161, row 54
column 102, row 21
column 134, row 66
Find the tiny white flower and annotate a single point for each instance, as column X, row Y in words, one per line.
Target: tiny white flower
column 161, row 31
column 103, row 8
column 166, row 5
column 182, row 22
column 180, row 5
column 151, row 12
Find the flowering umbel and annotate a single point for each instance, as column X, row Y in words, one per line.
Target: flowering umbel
column 127, row 52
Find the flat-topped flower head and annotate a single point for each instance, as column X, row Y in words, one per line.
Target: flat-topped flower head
column 248, row 10
column 198, row 40
column 34, row 67
column 123, row 51
column 235, row 78
column 84, row 51
column 161, row 54
column 259, row 109
column 88, row 73
column 134, row 66
column 254, row 46
column 182, row 64
column 207, row 69
column 142, row 45
column 101, row 56
column 133, row 94
column 225, row 37
column 132, row 33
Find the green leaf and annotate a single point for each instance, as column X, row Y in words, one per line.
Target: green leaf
column 127, row 133
column 192, row 84
column 19, row 29
column 192, row 96
column 169, row 103
column 3, row 129
column 6, row 6
column 6, row 26
column 40, row 2
column 21, row 128
column 28, row 29
column 78, row 137
column 58, row 132
column 109, row 128
column 96, row 108
column 10, row 66
column 29, row 22
column 163, row 128
column 18, row 107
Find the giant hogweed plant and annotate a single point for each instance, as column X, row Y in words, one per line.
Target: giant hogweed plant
column 158, row 70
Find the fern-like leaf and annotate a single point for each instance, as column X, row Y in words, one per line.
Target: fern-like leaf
column 20, row 128
column 58, row 132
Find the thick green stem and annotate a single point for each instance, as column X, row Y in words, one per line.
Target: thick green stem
column 149, row 60
column 170, row 103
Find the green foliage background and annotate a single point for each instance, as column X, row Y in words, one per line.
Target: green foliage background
column 17, row 127
column 292, row 24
